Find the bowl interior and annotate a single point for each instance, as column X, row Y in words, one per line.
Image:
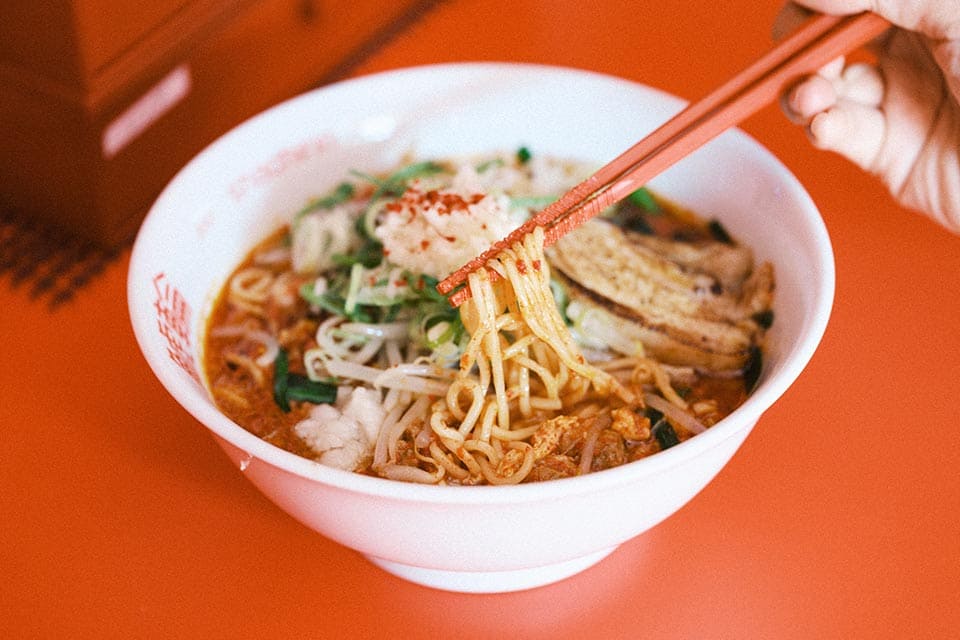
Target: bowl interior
column 249, row 182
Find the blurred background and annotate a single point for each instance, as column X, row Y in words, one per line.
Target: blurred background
column 103, row 100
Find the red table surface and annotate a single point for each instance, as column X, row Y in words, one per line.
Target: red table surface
column 838, row 518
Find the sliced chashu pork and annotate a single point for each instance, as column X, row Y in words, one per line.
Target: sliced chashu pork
column 693, row 304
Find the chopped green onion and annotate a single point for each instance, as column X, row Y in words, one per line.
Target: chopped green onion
column 438, row 333
column 395, row 183
column 430, row 316
column 561, row 298
column 370, row 254
column 328, row 301
column 532, row 202
column 523, row 155
column 360, row 226
column 356, row 275
column 489, row 164
column 415, row 170
column 644, row 199
column 426, row 288
column 334, row 303
column 389, row 314
column 342, row 193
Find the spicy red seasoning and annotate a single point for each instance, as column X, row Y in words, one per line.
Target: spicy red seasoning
column 444, row 202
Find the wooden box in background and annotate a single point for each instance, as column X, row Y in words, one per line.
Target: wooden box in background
column 102, row 101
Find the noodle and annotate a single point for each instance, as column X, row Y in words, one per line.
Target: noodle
column 533, row 323
column 250, row 289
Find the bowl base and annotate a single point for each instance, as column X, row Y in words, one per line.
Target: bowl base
column 491, row 581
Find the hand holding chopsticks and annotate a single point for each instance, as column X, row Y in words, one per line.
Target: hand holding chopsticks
column 820, row 40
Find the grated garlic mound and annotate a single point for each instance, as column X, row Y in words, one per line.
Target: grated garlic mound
column 435, row 231
column 343, row 435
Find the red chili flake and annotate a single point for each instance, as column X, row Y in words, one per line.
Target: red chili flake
column 402, row 282
column 450, row 238
column 536, row 265
column 446, row 202
column 424, row 244
column 521, row 266
column 372, row 281
column 386, row 252
column 393, row 207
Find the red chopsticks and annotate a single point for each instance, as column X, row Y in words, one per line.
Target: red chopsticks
column 821, row 39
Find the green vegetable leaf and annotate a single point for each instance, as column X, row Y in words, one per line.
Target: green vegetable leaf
column 281, row 367
column 303, row 389
column 294, row 386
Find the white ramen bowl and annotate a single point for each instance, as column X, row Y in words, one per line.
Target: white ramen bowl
column 472, row 539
